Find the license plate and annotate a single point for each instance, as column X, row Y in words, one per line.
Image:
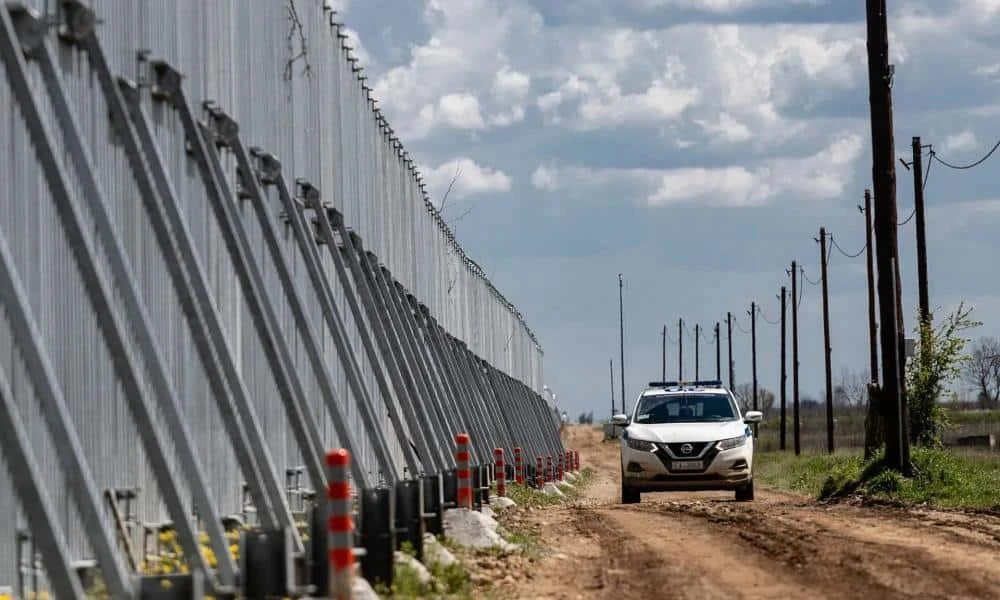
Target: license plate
column 687, row 465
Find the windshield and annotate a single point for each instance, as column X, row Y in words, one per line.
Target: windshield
column 685, row 408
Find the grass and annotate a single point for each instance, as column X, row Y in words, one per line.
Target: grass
column 527, row 497
column 941, row 478
column 451, row 581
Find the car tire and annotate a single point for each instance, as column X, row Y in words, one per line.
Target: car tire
column 744, row 493
column 629, row 495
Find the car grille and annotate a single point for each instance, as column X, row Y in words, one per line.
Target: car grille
column 696, row 448
column 707, row 459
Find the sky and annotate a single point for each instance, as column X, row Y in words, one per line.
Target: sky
column 696, row 147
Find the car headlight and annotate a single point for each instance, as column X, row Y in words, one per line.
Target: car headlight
column 730, row 443
column 641, row 445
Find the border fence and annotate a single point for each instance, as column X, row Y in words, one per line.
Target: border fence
column 217, row 262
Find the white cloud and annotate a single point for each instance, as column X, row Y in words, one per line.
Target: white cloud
column 988, row 70
column 960, row 142
column 460, row 111
column 821, row 176
column 461, row 60
column 470, row 179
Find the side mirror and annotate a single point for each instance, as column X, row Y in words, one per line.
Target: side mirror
column 753, row 416
column 620, row 420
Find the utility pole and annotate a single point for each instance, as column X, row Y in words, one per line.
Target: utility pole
column 784, row 370
column 796, row 440
column 680, row 350
column 611, row 367
column 918, row 210
column 870, row 257
column 718, row 353
column 729, row 343
column 663, row 376
column 697, row 334
column 753, row 348
column 621, row 338
column 874, row 419
column 826, row 341
column 884, row 177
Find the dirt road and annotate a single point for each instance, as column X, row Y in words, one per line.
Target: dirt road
column 706, row 545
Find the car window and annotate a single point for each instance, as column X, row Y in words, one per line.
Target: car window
column 685, row 408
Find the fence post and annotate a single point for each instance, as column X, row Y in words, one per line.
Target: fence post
column 539, row 473
column 518, row 466
column 464, row 475
column 501, row 473
column 341, row 526
column 548, row 468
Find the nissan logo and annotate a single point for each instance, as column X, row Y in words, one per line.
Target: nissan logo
column 686, row 449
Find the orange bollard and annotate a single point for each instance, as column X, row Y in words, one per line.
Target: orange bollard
column 518, row 466
column 463, row 473
column 501, row 472
column 340, row 540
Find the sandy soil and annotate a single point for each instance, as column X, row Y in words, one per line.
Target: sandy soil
column 706, row 545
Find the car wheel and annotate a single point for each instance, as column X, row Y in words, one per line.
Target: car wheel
column 629, row 495
column 744, row 493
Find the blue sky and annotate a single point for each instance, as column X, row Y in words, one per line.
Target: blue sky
column 696, row 147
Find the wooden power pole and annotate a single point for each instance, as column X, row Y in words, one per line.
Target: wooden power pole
column 874, row 420
column 921, row 227
column 826, row 341
column 795, row 360
column 697, row 334
column 753, row 349
column 680, row 350
column 729, row 343
column 872, row 321
column 718, row 353
column 784, row 369
column 663, row 376
column 621, row 338
column 884, row 178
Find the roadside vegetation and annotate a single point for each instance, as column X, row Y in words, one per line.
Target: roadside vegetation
column 484, row 573
column 942, row 476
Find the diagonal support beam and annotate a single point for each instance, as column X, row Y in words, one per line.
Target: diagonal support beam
column 265, row 320
column 271, row 172
column 251, row 188
column 127, row 366
column 15, row 447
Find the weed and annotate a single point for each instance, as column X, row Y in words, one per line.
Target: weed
column 940, row 477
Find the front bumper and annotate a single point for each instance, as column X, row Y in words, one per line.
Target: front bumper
column 658, row 470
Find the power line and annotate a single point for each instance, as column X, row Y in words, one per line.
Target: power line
column 810, row 281
column 736, row 321
column 927, row 175
column 845, row 253
column 760, row 312
column 934, row 156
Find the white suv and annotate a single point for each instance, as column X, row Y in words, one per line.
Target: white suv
column 686, row 436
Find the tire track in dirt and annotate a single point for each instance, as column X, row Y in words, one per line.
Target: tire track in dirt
column 704, row 546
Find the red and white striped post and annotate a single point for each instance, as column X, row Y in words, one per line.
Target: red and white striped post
column 569, row 460
column 539, row 472
column 560, row 458
column 518, row 466
column 548, row 468
column 464, row 474
column 501, row 472
column 576, row 460
column 340, row 525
